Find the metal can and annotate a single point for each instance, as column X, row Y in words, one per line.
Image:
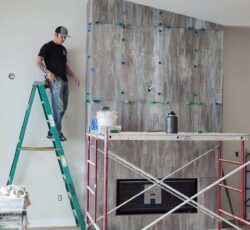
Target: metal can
column 171, row 123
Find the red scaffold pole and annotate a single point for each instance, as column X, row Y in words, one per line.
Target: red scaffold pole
column 105, row 181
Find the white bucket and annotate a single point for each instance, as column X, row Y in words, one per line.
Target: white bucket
column 106, row 119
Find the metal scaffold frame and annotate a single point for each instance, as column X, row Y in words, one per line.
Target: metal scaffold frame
column 161, row 136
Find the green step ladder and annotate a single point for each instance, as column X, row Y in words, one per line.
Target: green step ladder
column 39, row 86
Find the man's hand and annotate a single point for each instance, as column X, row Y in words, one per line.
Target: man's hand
column 40, row 63
column 76, row 80
column 52, row 77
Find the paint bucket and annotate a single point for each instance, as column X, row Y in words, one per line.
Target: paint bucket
column 106, row 118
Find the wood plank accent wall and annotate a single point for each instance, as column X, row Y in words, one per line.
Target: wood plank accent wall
column 132, row 48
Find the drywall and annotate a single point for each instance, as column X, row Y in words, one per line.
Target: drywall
column 25, row 27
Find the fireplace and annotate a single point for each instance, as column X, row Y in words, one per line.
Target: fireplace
column 155, row 200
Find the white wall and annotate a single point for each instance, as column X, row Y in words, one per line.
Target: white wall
column 225, row 12
column 236, row 96
column 25, row 27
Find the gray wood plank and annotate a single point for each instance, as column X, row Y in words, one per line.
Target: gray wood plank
column 179, row 59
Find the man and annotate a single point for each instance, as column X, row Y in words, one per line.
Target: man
column 52, row 60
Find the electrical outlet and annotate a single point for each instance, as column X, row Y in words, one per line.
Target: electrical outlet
column 59, row 197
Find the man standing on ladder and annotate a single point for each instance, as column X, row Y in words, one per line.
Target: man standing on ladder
column 52, row 60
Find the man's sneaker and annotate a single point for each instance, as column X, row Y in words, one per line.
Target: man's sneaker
column 50, row 135
column 62, row 137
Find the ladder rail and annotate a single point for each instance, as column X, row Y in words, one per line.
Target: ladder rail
column 61, row 157
column 88, row 188
column 96, row 152
column 242, row 211
column 88, row 175
column 218, row 187
column 21, row 136
column 247, row 199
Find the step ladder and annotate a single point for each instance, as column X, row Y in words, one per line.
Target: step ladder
column 240, row 191
column 39, row 86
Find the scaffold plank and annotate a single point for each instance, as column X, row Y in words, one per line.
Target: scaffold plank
column 181, row 136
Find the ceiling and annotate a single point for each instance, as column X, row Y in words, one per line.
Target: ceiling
column 225, row 12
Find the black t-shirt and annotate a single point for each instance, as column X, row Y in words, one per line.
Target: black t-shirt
column 55, row 58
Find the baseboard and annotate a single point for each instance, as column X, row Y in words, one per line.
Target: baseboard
column 43, row 223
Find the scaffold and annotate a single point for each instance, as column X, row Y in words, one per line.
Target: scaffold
column 162, row 136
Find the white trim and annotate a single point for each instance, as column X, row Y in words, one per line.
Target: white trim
column 43, row 223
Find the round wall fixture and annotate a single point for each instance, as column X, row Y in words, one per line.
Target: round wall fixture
column 12, row 76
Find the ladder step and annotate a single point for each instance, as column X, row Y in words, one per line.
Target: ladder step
column 231, row 162
column 91, row 163
column 231, row 188
column 39, row 149
column 230, row 215
column 91, row 191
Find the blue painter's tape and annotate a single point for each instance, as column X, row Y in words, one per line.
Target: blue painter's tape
column 121, row 25
column 92, row 69
column 95, row 101
column 94, row 124
column 168, row 27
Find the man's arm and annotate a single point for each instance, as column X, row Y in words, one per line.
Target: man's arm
column 71, row 74
column 41, row 66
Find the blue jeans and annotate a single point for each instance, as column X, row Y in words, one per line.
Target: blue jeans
column 59, row 97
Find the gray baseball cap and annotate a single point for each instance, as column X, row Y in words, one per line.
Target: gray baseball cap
column 62, row 30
